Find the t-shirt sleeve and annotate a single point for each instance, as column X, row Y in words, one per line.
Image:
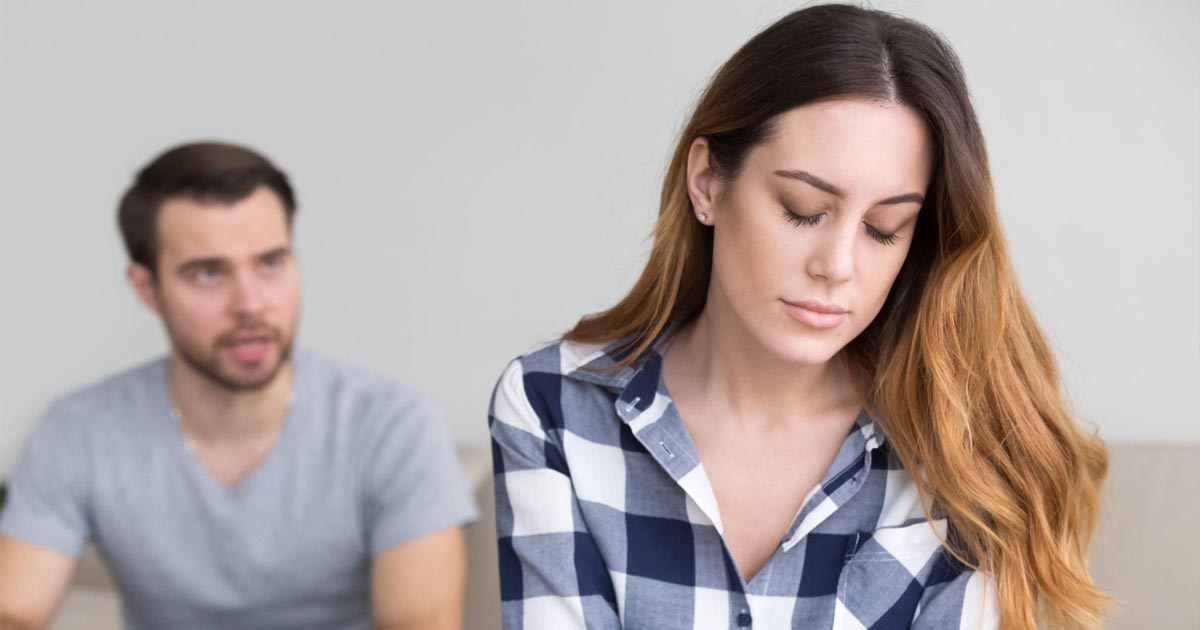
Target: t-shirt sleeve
column 47, row 500
column 413, row 484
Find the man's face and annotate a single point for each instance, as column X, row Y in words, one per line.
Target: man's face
column 227, row 287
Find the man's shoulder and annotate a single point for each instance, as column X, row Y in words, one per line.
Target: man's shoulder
column 358, row 393
column 116, row 393
column 347, row 378
column 102, row 417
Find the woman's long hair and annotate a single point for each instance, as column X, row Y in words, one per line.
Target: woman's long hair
column 955, row 365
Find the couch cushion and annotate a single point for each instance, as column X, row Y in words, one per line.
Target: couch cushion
column 1147, row 548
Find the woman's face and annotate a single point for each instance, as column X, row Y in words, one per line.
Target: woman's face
column 820, row 218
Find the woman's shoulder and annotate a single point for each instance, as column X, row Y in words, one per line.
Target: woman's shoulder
column 557, row 386
column 571, row 360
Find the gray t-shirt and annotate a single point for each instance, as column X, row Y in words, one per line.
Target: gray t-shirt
column 361, row 464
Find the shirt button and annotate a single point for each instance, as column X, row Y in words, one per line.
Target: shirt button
column 743, row 619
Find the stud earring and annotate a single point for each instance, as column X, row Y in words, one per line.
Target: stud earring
column 703, row 217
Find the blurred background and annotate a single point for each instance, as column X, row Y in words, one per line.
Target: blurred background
column 474, row 175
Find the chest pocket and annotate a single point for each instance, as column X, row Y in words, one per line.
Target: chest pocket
column 882, row 583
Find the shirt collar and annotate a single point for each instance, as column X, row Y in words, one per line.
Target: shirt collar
column 637, row 383
column 594, row 364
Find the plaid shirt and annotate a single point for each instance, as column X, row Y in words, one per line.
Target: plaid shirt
column 606, row 519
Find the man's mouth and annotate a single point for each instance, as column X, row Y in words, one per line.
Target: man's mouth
column 248, row 349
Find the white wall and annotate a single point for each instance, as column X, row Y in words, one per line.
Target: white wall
column 474, row 175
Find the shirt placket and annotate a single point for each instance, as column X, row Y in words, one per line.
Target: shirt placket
column 656, row 424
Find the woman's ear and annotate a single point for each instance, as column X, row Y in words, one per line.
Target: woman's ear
column 703, row 184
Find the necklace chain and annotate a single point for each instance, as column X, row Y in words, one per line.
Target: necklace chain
column 177, row 418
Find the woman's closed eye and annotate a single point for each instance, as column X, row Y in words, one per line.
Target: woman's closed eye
column 813, row 219
column 801, row 219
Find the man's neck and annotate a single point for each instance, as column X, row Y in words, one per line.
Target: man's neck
column 212, row 413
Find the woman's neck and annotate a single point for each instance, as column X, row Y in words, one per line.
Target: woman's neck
column 716, row 360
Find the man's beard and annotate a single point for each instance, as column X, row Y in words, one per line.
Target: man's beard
column 211, row 369
column 208, row 364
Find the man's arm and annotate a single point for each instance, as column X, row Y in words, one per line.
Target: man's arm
column 33, row 580
column 420, row 583
column 415, row 502
column 44, row 521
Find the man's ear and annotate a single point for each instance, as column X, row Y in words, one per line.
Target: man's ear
column 703, row 184
column 144, row 285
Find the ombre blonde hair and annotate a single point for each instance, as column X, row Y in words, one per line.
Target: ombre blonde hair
column 954, row 367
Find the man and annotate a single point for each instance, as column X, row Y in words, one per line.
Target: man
column 234, row 483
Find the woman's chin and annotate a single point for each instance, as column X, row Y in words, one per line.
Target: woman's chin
column 803, row 349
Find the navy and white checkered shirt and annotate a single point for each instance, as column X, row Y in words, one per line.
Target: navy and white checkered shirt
column 606, row 519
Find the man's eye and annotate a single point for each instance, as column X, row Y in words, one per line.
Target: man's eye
column 273, row 262
column 206, row 276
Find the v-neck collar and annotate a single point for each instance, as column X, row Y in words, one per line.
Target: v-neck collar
column 196, row 469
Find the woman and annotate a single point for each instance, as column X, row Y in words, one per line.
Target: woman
column 825, row 403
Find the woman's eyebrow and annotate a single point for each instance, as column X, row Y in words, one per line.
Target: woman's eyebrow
column 821, row 184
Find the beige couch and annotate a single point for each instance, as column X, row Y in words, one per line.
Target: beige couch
column 1147, row 551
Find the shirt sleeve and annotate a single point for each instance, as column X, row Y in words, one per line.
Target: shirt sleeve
column 47, row 502
column 552, row 576
column 966, row 602
column 414, row 484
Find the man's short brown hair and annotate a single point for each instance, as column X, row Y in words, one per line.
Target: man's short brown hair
column 207, row 172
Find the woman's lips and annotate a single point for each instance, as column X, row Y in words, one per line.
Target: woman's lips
column 815, row 314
